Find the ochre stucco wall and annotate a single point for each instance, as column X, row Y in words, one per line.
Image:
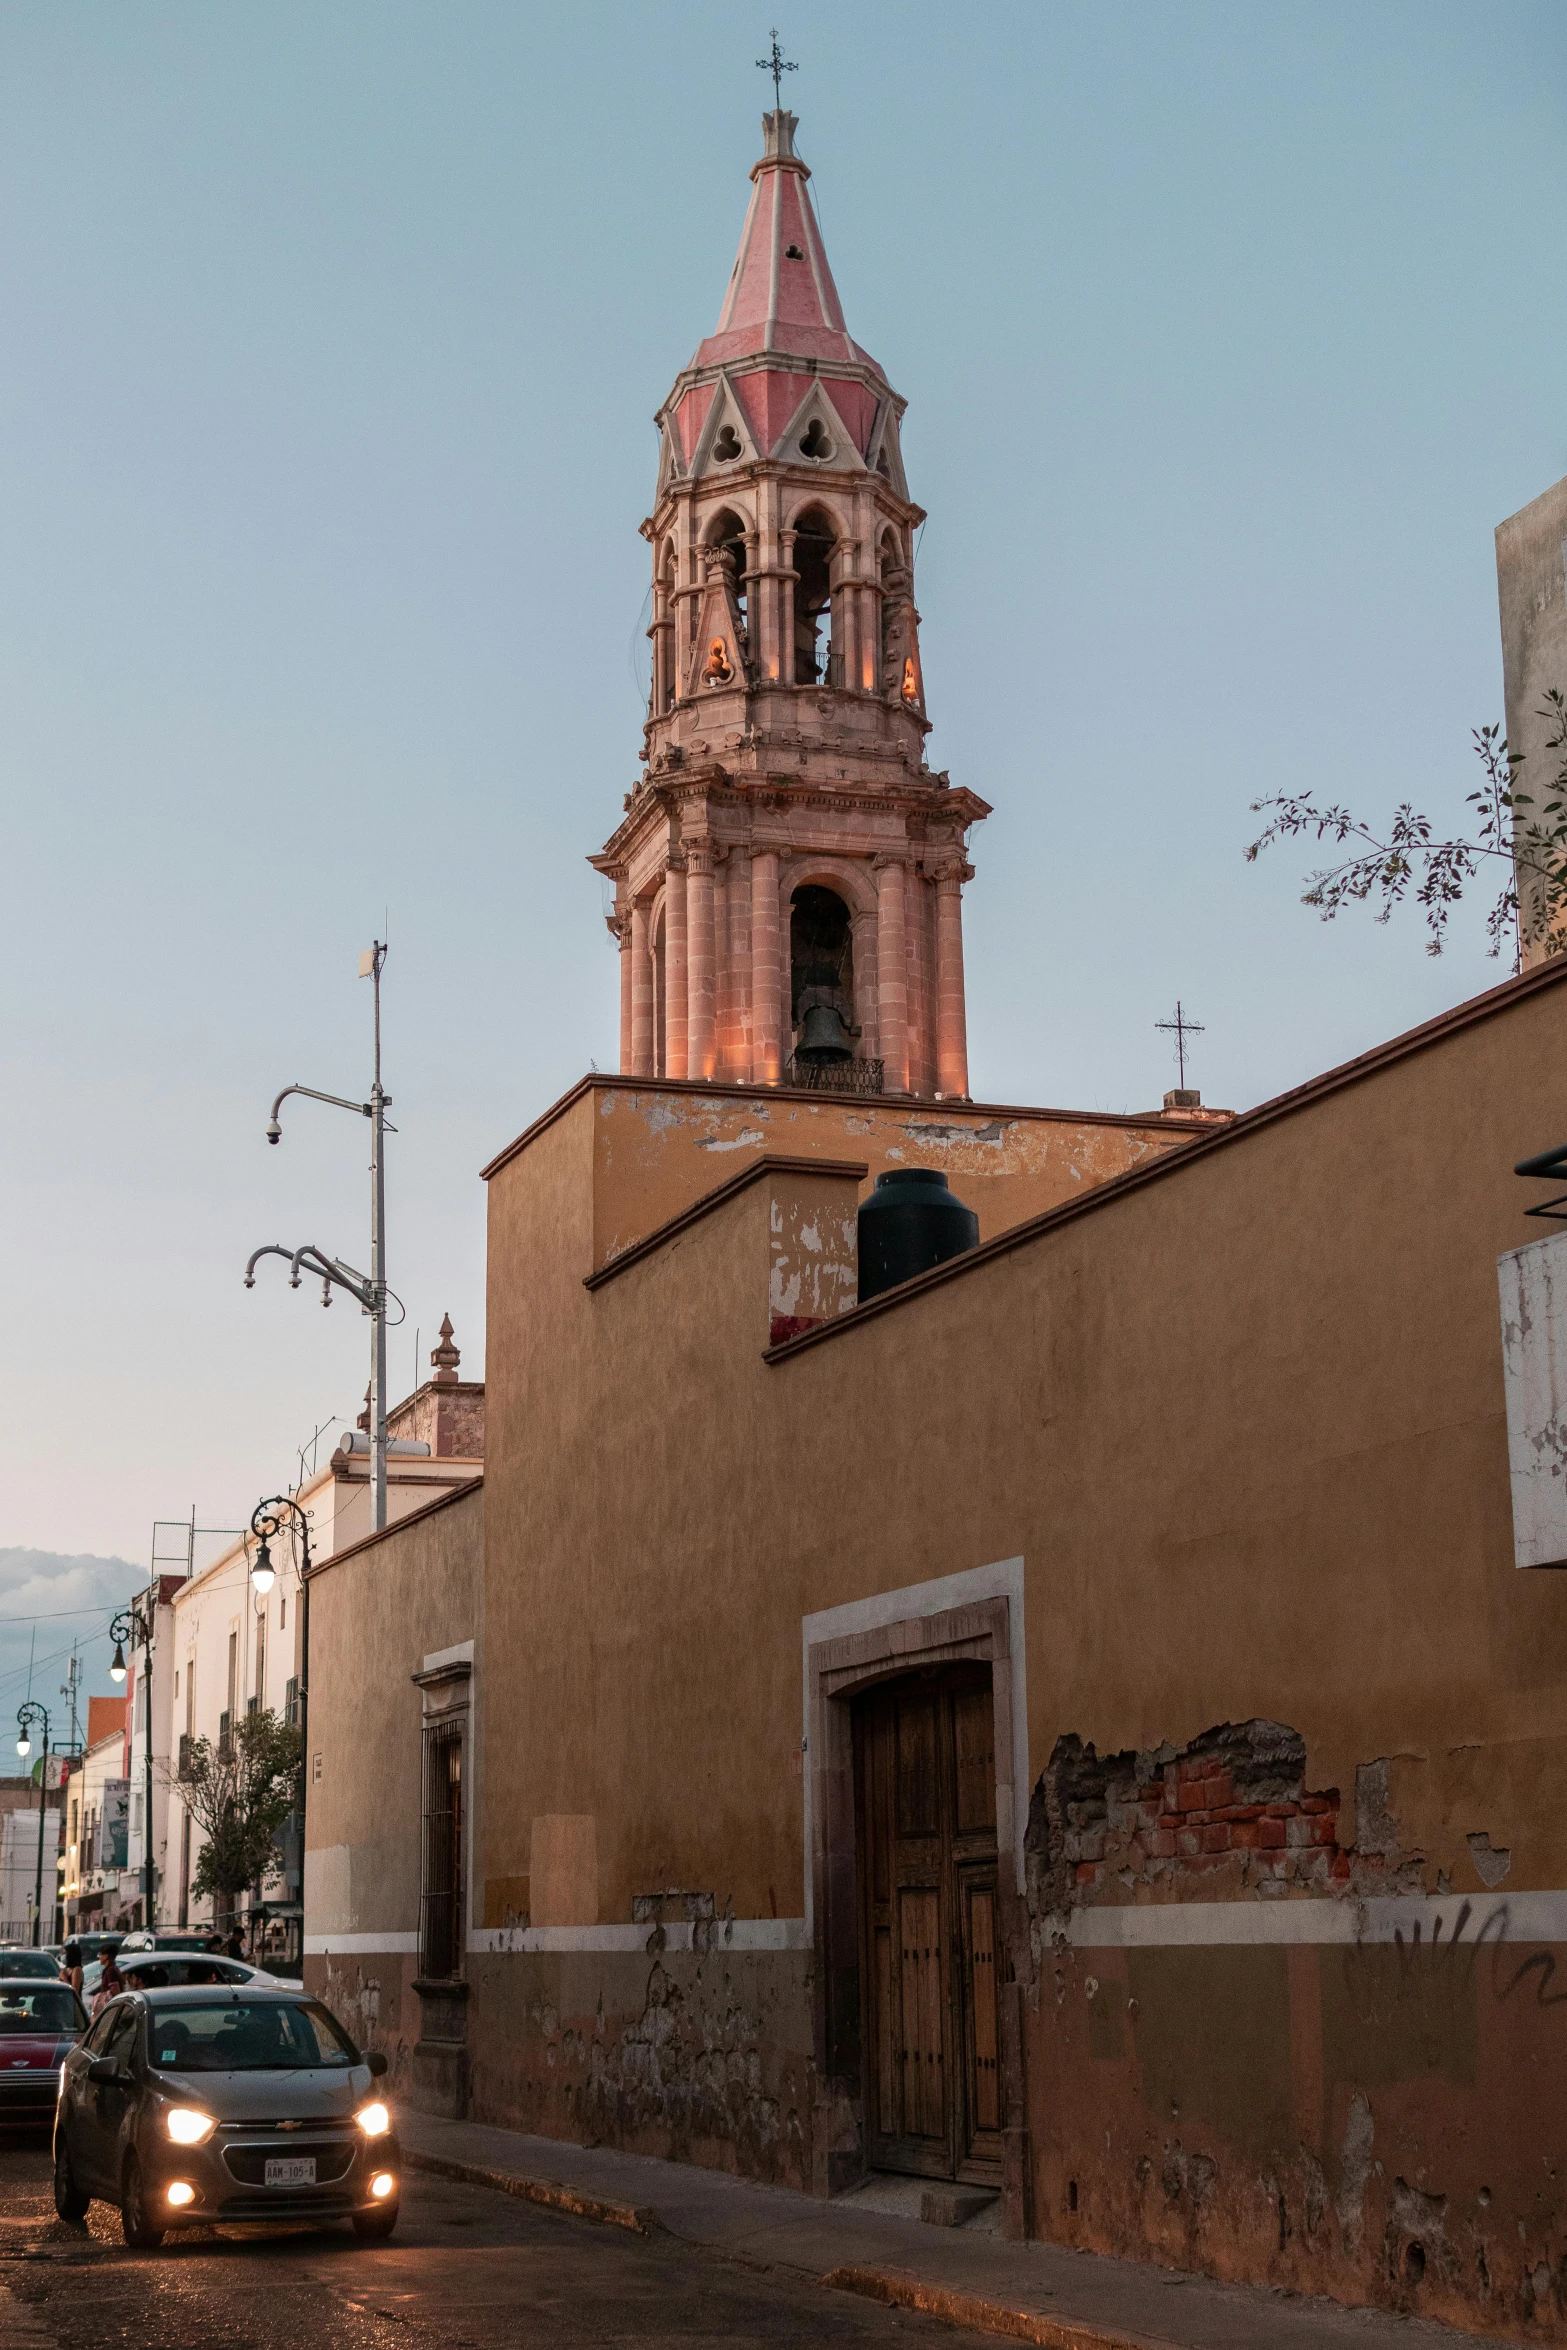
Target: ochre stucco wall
column 1243, row 1423
column 375, row 1614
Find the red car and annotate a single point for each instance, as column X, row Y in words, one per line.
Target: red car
column 40, row 2023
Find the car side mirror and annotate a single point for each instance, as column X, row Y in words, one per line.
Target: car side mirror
column 103, row 2070
column 375, row 2064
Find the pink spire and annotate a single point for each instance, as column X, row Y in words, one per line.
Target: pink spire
column 781, row 295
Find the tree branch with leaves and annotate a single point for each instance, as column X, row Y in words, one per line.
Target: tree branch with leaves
column 1405, row 858
column 239, row 1793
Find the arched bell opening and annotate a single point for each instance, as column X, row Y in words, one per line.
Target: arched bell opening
column 814, row 634
column 821, row 978
column 727, row 530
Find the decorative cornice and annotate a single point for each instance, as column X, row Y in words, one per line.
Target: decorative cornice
column 1149, row 1122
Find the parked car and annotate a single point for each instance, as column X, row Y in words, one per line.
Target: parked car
column 188, row 2106
column 98, row 1946
column 171, row 1938
column 38, row 1966
column 152, row 1970
column 39, row 2023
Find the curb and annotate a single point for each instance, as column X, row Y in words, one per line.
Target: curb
column 894, row 2288
column 548, row 2192
column 898, row 2290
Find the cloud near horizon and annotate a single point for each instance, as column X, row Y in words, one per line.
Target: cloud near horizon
column 49, row 1598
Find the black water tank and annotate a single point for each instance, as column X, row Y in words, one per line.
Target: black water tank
column 910, row 1222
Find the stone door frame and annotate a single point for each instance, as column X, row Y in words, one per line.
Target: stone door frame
column 977, row 1615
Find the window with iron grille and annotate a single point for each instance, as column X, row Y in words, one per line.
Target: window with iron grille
column 441, row 1906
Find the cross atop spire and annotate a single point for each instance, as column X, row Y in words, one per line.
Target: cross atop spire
column 777, row 65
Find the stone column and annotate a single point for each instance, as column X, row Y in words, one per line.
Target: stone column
column 951, row 1017
column 766, row 980
column 620, row 925
column 846, row 615
column 699, row 960
column 735, row 1056
column 919, row 918
column 641, row 994
column 863, row 929
column 892, row 957
column 676, row 1013
column 788, row 578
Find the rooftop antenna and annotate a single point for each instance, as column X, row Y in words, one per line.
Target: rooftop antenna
column 1180, row 1028
column 777, row 64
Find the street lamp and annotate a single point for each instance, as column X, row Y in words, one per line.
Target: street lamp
column 369, row 1289
column 26, row 1717
column 268, row 1519
column 133, row 1628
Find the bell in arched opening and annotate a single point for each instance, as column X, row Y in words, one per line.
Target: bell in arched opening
column 823, row 1038
column 821, row 981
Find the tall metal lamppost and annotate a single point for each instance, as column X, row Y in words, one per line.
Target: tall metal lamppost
column 268, row 1519
column 132, row 1628
column 27, row 1717
column 370, row 1289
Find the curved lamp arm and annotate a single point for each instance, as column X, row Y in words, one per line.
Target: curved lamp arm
column 315, row 1260
column 275, row 1131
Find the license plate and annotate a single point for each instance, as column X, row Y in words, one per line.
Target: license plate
column 291, row 2170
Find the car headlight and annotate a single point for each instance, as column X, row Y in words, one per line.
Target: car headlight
column 187, row 2125
column 374, row 2120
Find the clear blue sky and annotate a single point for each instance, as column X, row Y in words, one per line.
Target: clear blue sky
column 333, row 336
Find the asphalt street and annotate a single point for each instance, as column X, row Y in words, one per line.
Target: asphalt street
column 467, row 2269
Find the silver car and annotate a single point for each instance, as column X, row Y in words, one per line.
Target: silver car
column 188, row 2105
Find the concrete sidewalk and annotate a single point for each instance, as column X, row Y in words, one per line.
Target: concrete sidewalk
column 1027, row 2292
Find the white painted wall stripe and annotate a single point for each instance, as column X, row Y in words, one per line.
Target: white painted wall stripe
column 727, row 1934
column 1436, row 1920
column 388, row 1943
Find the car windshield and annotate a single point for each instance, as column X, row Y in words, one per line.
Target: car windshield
column 244, row 2036
column 154, row 1973
column 39, row 2007
column 34, row 1963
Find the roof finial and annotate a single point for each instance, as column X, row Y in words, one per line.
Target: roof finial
column 445, row 1357
column 777, row 65
column 1180, row 1028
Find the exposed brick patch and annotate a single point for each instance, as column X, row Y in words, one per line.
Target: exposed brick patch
column 1229, row 1814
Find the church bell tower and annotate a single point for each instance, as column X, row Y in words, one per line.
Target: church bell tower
column 788, row 872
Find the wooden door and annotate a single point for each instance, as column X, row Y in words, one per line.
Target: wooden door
column 925, row 1785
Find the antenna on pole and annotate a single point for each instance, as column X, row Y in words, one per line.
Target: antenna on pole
column 777, row 64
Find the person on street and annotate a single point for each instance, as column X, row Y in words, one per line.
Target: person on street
column 73, row 1966
column 112, row 1985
